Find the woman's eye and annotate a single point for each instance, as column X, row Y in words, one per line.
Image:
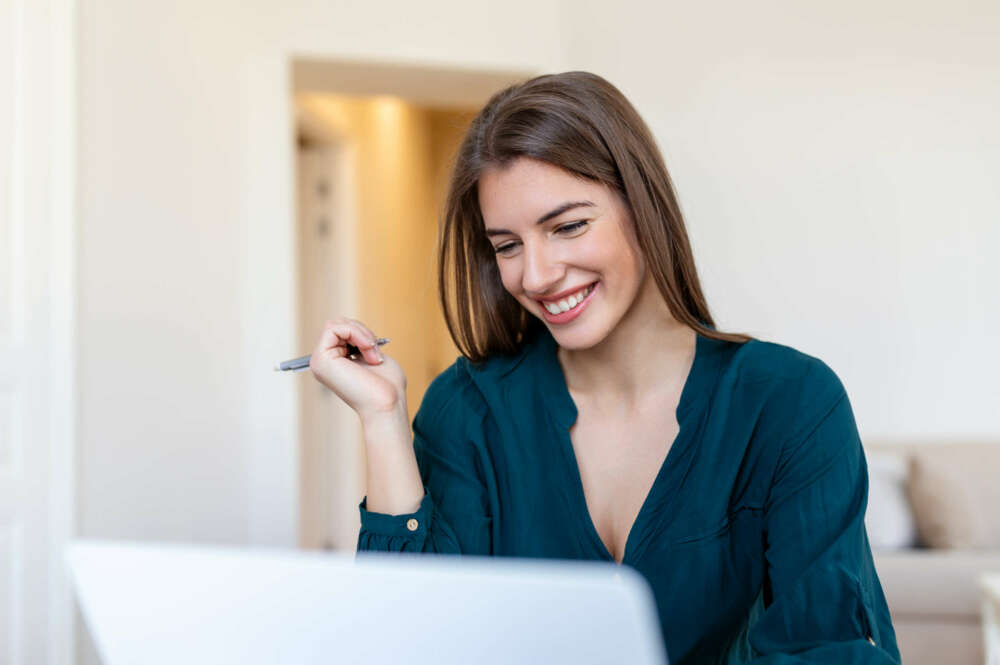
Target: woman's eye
column 566, row 229
column 572, row 226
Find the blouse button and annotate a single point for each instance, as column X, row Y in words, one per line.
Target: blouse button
column 871, row 640
column 411, row 524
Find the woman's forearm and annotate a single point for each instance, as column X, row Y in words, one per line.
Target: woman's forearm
column 394, row 484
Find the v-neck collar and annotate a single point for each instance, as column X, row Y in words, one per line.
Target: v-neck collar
column 561, row 403
column 562, row 409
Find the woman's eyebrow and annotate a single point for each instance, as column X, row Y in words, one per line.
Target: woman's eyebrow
column 555, row 212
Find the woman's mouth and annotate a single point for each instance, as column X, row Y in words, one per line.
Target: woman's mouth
column 570, row 307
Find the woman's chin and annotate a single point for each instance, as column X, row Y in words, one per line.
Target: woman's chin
column 578, row 339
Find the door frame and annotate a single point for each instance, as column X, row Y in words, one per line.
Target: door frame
column 327, row 427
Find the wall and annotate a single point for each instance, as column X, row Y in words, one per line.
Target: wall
column 447, row 129
column 395, row 225
column 838, row 167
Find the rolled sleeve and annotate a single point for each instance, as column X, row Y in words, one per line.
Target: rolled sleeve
column 395, row 533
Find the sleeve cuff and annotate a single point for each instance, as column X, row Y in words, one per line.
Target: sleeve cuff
column 410, row 524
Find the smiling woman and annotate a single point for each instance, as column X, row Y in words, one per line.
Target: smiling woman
column 571, row 133
column 596, row 413
column 579, row 257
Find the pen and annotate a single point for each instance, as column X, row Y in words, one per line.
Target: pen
column 302, row 364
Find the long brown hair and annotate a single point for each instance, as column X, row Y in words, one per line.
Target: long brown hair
column 579, row 122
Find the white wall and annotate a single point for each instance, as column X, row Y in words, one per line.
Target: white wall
column 839, row 165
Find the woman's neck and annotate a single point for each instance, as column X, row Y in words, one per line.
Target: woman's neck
column 648, row 354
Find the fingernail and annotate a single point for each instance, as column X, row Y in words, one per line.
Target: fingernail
column 381, row 358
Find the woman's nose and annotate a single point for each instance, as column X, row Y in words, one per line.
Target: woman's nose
column 541, row 271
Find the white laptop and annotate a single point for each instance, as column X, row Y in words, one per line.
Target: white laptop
column 153, row 604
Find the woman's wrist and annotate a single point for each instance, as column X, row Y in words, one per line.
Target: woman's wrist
column 394, row 485
column 382, row 426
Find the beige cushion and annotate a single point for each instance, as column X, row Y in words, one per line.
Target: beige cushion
column 954, row 490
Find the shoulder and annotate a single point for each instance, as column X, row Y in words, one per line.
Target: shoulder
column 452, row 396
column 771, row 362
column 799, row 389
column 465, row 394
column 462, row 403
column 805, row 424
column 786, row 368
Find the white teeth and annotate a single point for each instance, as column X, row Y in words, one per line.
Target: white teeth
column 568, row 303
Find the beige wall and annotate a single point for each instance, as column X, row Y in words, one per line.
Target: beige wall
column 447, row 128
column 402, row 153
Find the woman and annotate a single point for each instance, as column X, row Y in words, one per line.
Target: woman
column 596, row 412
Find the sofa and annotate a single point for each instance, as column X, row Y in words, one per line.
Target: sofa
column 934, row 531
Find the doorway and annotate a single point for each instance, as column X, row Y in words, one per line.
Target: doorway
column 375, row 146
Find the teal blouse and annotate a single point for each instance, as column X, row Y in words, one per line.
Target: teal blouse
column 752, row 536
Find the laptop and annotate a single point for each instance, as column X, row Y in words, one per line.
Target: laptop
column 160, row 604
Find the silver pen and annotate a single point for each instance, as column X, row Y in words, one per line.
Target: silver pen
column 302, row 364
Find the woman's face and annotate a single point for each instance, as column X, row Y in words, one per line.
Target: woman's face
column 565, row 247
